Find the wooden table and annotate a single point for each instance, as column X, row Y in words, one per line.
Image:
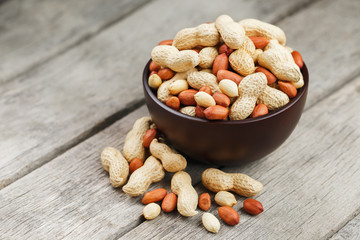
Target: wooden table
column 70, row 85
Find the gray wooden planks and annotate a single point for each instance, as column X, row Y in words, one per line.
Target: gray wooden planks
column 310, row 183
column 33, row 31
column 56, row 105
column 351, row 231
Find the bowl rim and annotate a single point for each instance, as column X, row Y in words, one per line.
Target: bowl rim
column 272, row 114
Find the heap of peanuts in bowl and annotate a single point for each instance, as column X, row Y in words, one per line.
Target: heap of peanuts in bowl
column 215, row 71
column 226, row 70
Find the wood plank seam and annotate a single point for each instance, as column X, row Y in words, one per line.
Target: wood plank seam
column 356, row 214
column 78, row 42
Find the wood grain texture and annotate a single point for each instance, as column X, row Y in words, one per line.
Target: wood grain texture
column 52, row 107
column 310, row 183
column 351, row 231
column 33, row 31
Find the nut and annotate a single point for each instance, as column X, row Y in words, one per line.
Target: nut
column 206, row 89
column 259, row 110
column 135, row 164
column 166, row 42
column 149, row 136
column 210, row 222
column 273, row 98
column 117, row 166
column 203, row 35
column 207, row 56
column 205, row 201
column 260, row 42
column 140, row 180
column 242, row 62
column 178, row 86
column 228, row 87
column 189, row 110
column 225, row 74
column 154, row 196
column 253, row 206
column 170, row 159
column 232, row 33
column 154, row 66
column 229, row 215
column 186, row 97
column 288, row 88
column 216, row 112
column 250, row 89
column 133, row 146
column 165, row 73
column 151, row 211
column 221, row 62
column 204, row 99
column 169, row 203
column 198, row 79
column 173, row 102
column 216, row 180
column 199, row 112
column 224, row 198
column 171, row 57
column 154, row 81
column 187, row 195
column 225, row 49
column 269, row 76
column 298, row 58
column 221, row 99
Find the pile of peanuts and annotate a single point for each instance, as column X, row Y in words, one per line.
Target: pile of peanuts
column 146, row 157
column 226, row 70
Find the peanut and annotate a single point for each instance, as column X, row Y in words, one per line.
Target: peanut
column 149, row 136
column 229, row 215
column 204, row 99
column 187, row 97
column 207, row 56
column 169, row 203
column 163, row 93
column 260, row 42
column 117, row 166
column 250, row 89
column 170, row 159
column 221, row 99
column 259, row 110
column 199, row 112
column 165, row 73
column 229, row 88
column 273, row 98
column 210, row 222
column 232, row 33
column 225, row 74
column 205, row 201
column 299, row 84
column 224, row 198
column 198, row 79
column 203, row 35
column 256, row 55
column 242, row 62
column 166, row 42
column 298, row 59
column 154, row 81
column 178, row 86
column 153, row 72
column 206, row 89
column 173, row 102
column 154, row 66
column 187, row 195
column 279, row 61
column 189, row 110
column 135, row 164
column 225, row 49
column 269, row 76
column 133, row 146
column 288, row 88
column 216, row 112
column 140, row 180
column 257, row 28
column 253, row 206
column 154, row 196
column 216, row 180
column 221, row 62
column 151, row 211
column 171, row 57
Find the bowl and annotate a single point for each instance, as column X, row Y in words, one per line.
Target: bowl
column 225, row 142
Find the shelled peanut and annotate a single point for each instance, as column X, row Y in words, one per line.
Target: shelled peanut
column 219, row 56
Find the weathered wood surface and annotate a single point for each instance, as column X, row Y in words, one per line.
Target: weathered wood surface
column 351, row 231
column 33, row 31
column 310, row 183
column 55, row 106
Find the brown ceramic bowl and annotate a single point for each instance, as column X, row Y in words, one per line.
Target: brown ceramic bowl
column 226, row 142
